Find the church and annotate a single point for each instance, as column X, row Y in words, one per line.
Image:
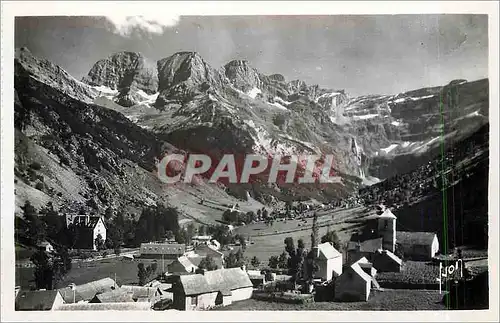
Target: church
column 380, row 238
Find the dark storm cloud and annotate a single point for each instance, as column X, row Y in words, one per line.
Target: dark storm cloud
column 362, row 54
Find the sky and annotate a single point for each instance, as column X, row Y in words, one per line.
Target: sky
column 375, row 54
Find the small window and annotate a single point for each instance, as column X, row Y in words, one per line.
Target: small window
column 194, row 300
column 386, row 224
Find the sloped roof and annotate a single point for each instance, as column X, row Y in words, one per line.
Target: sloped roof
column 211, row 247
column 415, row 238
column 360, row 272
column 114, row 296
column 197, row 259
column 88, row 291
column 129, row 306
column 370, row 245
column 36, row 300
column 328, row 251
column 387, row 214
column 187, row 264
column 195, row 284
column 216, row 280
column 229, row 279
column 140, row 291
column 163, row 248
column 392, row 256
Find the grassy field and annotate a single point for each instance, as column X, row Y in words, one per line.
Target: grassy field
column 413, row 272
column 269, row 241
column 84, row 272
column 386, row 300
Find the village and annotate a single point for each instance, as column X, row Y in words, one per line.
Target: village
column 371, row 262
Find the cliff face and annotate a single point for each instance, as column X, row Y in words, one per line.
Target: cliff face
column 127, row 73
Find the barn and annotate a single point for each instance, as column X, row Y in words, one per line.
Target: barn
column 212, row 288
column 418, row 245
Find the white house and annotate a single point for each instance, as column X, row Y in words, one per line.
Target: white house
column 89, row 228
column 329, row 262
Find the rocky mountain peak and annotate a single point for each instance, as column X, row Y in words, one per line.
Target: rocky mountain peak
column 124, row 71
column 184, row 74
column 243, row 76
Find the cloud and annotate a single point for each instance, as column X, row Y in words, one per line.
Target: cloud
column 126, row 25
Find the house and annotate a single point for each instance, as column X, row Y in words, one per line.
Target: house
column 38, row 300
column 386, row 261
column 114, row 296
column 129, row 306
column 204, row 250
column 418, row 245
column 213, row 288
column 88, row 229
column 358, row 248
column 329, row 262
column 354, row 284
column 45, row 246
column 86, row 292
column 256, row 277
column 141, row 294
column 196, row 240
column 162, row 289
column 182, row 265
column 165, row 250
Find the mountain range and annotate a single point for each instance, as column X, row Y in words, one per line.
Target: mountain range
column 96, row 140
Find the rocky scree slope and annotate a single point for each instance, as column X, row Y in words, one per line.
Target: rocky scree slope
column 76, row 154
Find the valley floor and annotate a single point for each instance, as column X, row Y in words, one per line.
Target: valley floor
column 385, row 300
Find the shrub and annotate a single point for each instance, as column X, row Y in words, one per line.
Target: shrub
column 36, row 166
column 39, row 186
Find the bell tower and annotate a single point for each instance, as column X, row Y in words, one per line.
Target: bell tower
column 387, row 230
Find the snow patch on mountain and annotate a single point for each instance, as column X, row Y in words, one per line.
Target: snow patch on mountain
column 390, row 148
column 365, row 117
column 279, row 106
column 277, row 98
column 254, row 92
column 148, row 98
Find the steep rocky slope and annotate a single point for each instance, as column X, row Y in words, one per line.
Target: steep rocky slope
column 76, row 154
column 236, row 109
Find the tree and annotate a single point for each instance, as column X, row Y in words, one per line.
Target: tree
column 331, row 236
column 35, row 227
column 142, row 274
column 50, row 268
column 208, row 264
column 255, row 262
column 108, row 214
column 274, row 262
column 283, row 260
column 231, row 260
column 169, row 234
column 99, row 243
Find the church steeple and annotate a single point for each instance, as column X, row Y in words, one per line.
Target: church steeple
column 387, row 230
